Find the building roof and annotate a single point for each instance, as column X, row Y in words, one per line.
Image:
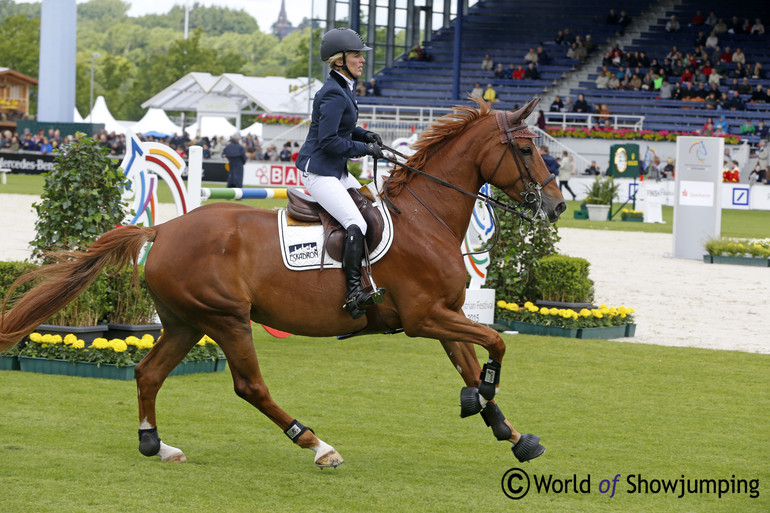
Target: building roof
column 8, row 72
column 232, row 94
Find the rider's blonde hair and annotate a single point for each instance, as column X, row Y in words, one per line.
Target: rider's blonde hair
column 334, row 58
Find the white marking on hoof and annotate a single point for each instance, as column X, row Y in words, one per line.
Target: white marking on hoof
column 168, row 453
column 326, row 455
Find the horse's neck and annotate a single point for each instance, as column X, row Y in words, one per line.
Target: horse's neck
column 453, row 207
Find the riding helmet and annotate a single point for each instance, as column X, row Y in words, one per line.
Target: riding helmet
column 341, row 40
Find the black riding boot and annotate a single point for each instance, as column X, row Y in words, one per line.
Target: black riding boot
column 357, row 298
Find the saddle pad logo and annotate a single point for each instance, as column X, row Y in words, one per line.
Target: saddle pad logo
column 303, row 252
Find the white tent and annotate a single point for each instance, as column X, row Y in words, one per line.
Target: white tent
column 77, row 118
column 211, row 126
column 156, row 120
column 255, row 129
column 101, row 114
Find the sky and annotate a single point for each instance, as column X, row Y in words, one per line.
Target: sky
column 264, row 11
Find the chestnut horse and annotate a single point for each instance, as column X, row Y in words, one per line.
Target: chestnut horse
column 219, row 266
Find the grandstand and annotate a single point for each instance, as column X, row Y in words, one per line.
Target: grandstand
column 507, row 30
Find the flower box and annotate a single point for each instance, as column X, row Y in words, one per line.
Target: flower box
column 9, row 362
column 194, row 367
column 81, row 369
column 708, row 259
column 598, row 212
column 136, row 330
column 86, row 333
column 604, row 332
column 739, row 260
column 632, row 219
column 220, row 365
column 529, row 328
column 630, row 329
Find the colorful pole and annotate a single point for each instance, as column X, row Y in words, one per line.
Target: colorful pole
column 239, row 194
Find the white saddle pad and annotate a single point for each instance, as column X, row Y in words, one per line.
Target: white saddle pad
column 301, row 245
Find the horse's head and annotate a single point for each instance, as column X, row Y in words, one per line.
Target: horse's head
column 518, row 169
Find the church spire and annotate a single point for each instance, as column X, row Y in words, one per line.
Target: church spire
column 282, row 26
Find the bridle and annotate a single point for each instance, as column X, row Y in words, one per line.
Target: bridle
column 531, row 196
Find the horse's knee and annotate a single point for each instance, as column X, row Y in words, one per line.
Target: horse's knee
column 250, row 391
column 146, row 381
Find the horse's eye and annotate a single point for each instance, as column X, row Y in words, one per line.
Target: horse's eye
column 526, row 150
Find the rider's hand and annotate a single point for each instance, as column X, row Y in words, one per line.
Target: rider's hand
column 372, row 137
column 373, row 149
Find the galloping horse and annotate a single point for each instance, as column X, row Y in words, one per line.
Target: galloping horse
column 219, row 266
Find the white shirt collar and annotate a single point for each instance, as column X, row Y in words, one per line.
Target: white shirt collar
column 347, row 80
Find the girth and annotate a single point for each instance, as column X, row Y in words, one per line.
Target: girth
column 301, row 210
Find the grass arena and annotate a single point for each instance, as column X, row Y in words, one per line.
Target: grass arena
column 686, row 432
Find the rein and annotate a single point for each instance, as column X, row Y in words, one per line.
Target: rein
column 532, row 189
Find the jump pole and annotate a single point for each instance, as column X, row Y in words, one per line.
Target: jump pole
column 239, row 194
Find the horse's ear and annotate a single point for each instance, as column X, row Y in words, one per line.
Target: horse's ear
column 524, row 112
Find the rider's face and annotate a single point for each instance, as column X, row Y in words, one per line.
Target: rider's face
column 355, row 62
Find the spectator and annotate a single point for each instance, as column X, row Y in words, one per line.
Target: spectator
column 499, row 71
column 757, row 72
column 567, row 105
column 490, row 94
column 556, row 105
column 740, row 71
column 542, row 57
column 518, row 73
column 720, row 27
column 478, row 90
column 736, row 103
column 616, row 54
column 735, row 26
column 668, row 169
column 581, row 105
column 712, row 41
column 708, row 127
column 559, row 39
column 612, row 18
column 271, row 154
column 580, row 52
column 589, row 44
column 28, row 144
column 531, row 72
column 635, row 83
column 604, row 112
column 644, row 61
column 711, row 20
column 763, row 131
column 360, row 89
column 45, row 146
column 624, row 20
column 714, row 77
column 672, row 25
column 688, row 92
column 739, row 56
column 572, row 51
column 569, row 37
column 665, row 90
column 550, row 162
column 487, row 64
column 748, row 128
column 687, row 76
column 593, row 169
column 531, row 56
column 236, row 158
column 603, row 80
column 206, row 151
column 746, row 26
column 712, row 102
column 727, row 55
column 758, row 28
column 724, row 104
column 285, row 155
column 763, row 158
column 759, row 95
column 566, row 171
column 757, row 175
column 698, row 19
column 742, row 88
column 614, row 82
column 540, row 120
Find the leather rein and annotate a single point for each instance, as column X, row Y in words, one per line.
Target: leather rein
column 532, row 194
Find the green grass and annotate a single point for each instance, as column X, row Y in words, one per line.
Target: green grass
column 735, row 223
column 389, row 405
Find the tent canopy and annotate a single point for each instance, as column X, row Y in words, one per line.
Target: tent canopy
column 101, row 114
column 156, row 120
column 233, row 94
column 211, row 126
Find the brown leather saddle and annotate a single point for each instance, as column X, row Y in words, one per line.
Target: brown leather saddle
column 301, row 210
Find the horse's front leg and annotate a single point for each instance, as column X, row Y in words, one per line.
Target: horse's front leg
column 463, row 356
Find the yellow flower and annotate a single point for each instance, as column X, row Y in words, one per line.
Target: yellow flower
column 70, row 338
column 544, row 311
column 78, row 344
column 100, row 343
column 528, row 304
column 148, row 338
column 513, row 307
column 531, row 308
column 585, row 312
column 501, row 304
column 553, row 311
column 132, row 341
column 47, row 339
column 36, row 337
column 597, row 313
column 145, row 344
column 118, row 345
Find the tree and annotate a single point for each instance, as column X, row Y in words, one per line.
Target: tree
column 20, row 43
column 103, row 11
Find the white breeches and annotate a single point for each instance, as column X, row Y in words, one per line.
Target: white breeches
column 332, row 193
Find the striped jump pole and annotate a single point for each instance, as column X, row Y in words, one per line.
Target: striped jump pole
column 239, row 194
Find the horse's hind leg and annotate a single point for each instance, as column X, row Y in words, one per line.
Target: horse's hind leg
column 238, row 346
column 172, row 346
column 463, row 357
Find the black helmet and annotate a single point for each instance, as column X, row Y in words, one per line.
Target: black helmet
column 341, row 40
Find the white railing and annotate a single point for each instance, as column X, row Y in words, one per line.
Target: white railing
column 588, row 120
column 400, row 114
column 556, row 148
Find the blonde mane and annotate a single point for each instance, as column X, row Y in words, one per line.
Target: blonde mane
column 435, row 137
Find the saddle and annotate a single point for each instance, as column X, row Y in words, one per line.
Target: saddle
column 301, row 210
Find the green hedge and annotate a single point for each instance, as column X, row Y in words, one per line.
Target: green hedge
column 564, row 278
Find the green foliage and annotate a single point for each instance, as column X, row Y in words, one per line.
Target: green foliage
column 81, row 198
column 756, row 248
column 9, row 272
column 20, row 43
column 602, row 191
column 564, row 278
column 517, row 255
column 129, row 305
column 90, row 308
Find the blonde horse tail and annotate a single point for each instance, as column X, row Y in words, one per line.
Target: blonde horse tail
column 63, row 281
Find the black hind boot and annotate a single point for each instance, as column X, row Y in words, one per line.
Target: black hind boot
column 357, row 298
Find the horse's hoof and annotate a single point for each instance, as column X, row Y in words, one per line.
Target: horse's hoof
column 470, row 404
column 329, row 459
column 171, row 454
column 528, row 448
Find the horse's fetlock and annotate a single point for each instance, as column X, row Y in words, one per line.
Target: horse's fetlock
column 149, row 441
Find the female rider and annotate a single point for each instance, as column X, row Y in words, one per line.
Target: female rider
column 333, row 137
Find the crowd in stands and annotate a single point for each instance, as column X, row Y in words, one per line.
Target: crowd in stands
column 213, row 147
